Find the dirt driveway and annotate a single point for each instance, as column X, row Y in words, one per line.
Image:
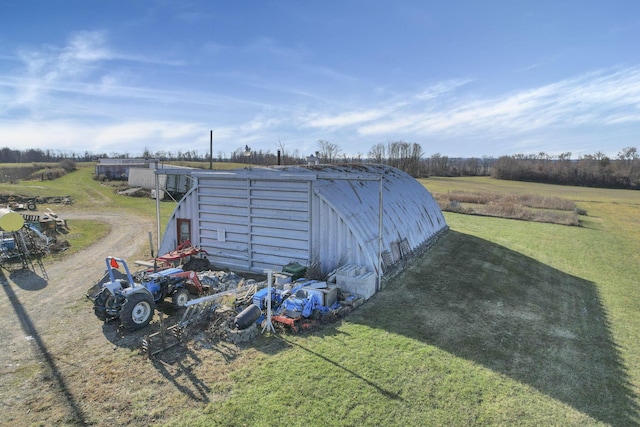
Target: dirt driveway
column 59, row 365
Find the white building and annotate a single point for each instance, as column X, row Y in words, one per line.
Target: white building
column 249, row 220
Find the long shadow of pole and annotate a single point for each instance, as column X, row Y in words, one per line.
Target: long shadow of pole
column 29, row 328
column 381, row 390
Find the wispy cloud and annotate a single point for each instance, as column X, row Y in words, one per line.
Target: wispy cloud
column 268, row 46
column 346, row 119
column 441, row 88
column 68, row 135
column 83, row 49
column 48, row 67
column 387, row 115
column 146, row 130
column 73, row 68
column 599, row 98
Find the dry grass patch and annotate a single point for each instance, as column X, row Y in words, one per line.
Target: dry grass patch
column 527, row 207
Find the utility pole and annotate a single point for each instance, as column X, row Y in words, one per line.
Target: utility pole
column 157, row 207
column 210, row 150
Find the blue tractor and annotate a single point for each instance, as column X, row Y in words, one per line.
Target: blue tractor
column 133, row 300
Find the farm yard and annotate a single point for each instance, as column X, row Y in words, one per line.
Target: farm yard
column 502, row 322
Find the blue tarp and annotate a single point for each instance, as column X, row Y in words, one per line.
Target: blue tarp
column 300, row 305
column 311, row 304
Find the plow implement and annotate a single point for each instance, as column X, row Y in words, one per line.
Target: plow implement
column 162, row 340
column 200, row 308
column 197, row 310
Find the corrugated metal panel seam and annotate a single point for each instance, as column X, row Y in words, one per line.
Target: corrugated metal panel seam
column 351, row 225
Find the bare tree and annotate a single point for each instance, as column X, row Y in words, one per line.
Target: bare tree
column 438, row 164
column 405, row 156
column 378, row 153
column 328, row 151
column 629, row 156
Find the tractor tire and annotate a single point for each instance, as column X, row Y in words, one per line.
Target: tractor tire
column 197, row 264
column 180, row 298
column 137, row 311
column 31, row 206
column 103, row 301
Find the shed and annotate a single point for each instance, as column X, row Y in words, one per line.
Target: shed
column 173, row 180
column 249, row 220
column 118, row 169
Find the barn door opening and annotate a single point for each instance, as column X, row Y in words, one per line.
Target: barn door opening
column 184, row 230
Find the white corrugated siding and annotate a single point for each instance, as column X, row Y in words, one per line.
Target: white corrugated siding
column 279, row 221
column 248, row 224
column 347, row 214
column 250, row 220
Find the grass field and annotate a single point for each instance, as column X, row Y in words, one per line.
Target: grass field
column 86, row 194
column 502, row 322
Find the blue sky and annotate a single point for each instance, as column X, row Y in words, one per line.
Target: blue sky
column 461, row 78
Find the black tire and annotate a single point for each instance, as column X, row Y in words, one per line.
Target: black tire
column 180, row 298
column 137, row 311
column 197, row 264
column 31, row 206
column 103, row 305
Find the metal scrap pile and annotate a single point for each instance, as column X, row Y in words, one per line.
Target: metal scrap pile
column 238, row 309
column 221, row 280
column 25, row 237
column 17, row 199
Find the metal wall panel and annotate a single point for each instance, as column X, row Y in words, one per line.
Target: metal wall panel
column 250, row 224
column 279, row 216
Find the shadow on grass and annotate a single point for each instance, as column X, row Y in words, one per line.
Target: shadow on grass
column 179, row 370
column 132, row 340
column 174, row 361
column 28, row 280
column 516, row 316
column 43, row 352
column 378, row 388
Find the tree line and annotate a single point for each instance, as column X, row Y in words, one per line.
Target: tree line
column 597, row 170
column 592, row 170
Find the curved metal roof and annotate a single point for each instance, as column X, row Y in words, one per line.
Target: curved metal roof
column 410, row 217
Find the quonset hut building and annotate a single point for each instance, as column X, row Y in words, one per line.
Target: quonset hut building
column 249, row 220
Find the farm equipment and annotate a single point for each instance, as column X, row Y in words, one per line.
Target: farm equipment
column 17, row 206
column 133, row 300
column 187, row 255
column 20, row 242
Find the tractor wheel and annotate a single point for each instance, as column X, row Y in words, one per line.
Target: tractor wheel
column 103, row 304
column 197, row 264
column 180, row 298
column 137, row 311
column 31, row 206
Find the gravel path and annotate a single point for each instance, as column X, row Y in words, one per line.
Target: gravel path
column 49, row 337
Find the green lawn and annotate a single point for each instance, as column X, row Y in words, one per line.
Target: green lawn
column 88, row 195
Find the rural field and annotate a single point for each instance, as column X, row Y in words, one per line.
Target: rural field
column 501, row 322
